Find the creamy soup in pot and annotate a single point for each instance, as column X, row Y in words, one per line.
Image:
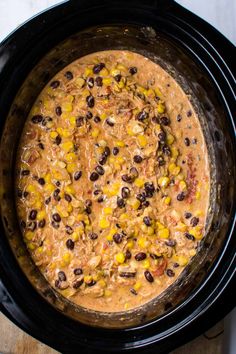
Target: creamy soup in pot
column 112, row 185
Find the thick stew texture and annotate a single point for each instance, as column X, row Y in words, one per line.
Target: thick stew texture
column 112, row 181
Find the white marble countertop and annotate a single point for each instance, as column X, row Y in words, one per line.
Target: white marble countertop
column 220, row 13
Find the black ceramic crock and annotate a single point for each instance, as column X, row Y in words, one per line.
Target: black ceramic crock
column 203, row 62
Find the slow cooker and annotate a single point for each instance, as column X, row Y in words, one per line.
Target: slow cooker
column 203, row 62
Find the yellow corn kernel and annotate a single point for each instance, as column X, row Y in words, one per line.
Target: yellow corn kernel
column 112, row 232
column 104, row 72
column 115, row 72
column 47, row 178
column 150, row 230
column 121, row 84
column 143, row 242
column 29, row 235
column 53, row 135
column 170, row 139
column 31, row 246
column 150, row 93
column 120, row 143
column 102, row 283
column 130, row 244
column 107, row 293
column 72, row 120
column 182, row 260
column 120, row 257
column 67, row 107
column 120, row 159
column 126, row 306
column 30, row 188
column 137, row 285
column 88, row 279
column 108, row 211
column 71, row 156
column 124, row 216
column 104, row 223
column 70, row 189
column 139, row 182
column 75, row 236
column 144, row 228
column 159, row 225
column 163, row 181
column 167, row 200
column 67, row 146
column 49, row 188
column 173, row 169
column 181, row 227
column 196, row 233
column 95, row 132
column 103, row 116
column 40, row 250
column 163, row 233
column 134, row 203
column 88, row 71
column 41, row 215
column 182, row 185
column 80, row 81
column 69, row 208
column 66, row 258
column 65, row 115
column 198, row 195
column 192, row 252
column 71, row 167
column 174, row 152
column 160, row 108
column 121, row 67
column 158, row 92
column 146, row 264
column 107, row 81
column 63, row 213
column 199, row 213
column 38, row 204
column 142, row 140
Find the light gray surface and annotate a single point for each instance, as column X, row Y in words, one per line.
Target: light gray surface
column 220, row 13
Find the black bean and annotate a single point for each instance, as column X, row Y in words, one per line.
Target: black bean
column 161, row 161
column 166, row 150
column 149, row 189
column 23, row 224
column 70, row 244
column 47, row 201
column 164, row 120
column 61, row 275
column 107, row 151
column 133, row 291
column 94, row 176
column 128, row 254
column 187, row 215
column 127, row 274
column 88, row 210
column 133, row 70
column 98, row 81
column 102, row 159
column 93, row 235
column 140, row 256
column 56, row 217
column 127, row 178
column 194, row 221
column 79, row 121
column 117, row 77
column 189, row 113
column 77, row 284
column 31, row 225
column 69, row 230
column 179, row 118
column 33, row 214
column 41, row 146
column 125, row 192
column 148, row 276
column 58, row 183
column 78, row 271
column 162, row 136
column 25, row 172
column 89, row 115
column 170, row 273
column 19, row 193
column 58, row 140
column 25, row 194
column 180, row 196
column 55, row 84
column 100, row 199
column 97, row 192
column 141, row 197
column 155, row 120
column 176, row 265
column 189, row 236
column 97, row 119
column 41, row 181
column 37, row 119
column 98, row 67
column 187, row 141
column 88, row 202
column 146, row 204
column 117, row 238
column 90, row 82
column 141, row 116
column 134, row 172
column 69, row 75
column 120, row 202
column 170, row 243
column 147, row 220
column 153, row 256
column 55, row 225
column 42, row 223
column 138, row 159
column 110, row 122
column 115, row 151
column 77, row 175
column 91, row 283
column 58, row 111
column 56, row 194
column 68, row 198
column 57, row 283
column 100, row 170
column 90, row 101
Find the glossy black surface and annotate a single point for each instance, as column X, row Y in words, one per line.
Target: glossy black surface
column 213, row 54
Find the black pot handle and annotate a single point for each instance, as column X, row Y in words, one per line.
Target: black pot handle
column 154, row 4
